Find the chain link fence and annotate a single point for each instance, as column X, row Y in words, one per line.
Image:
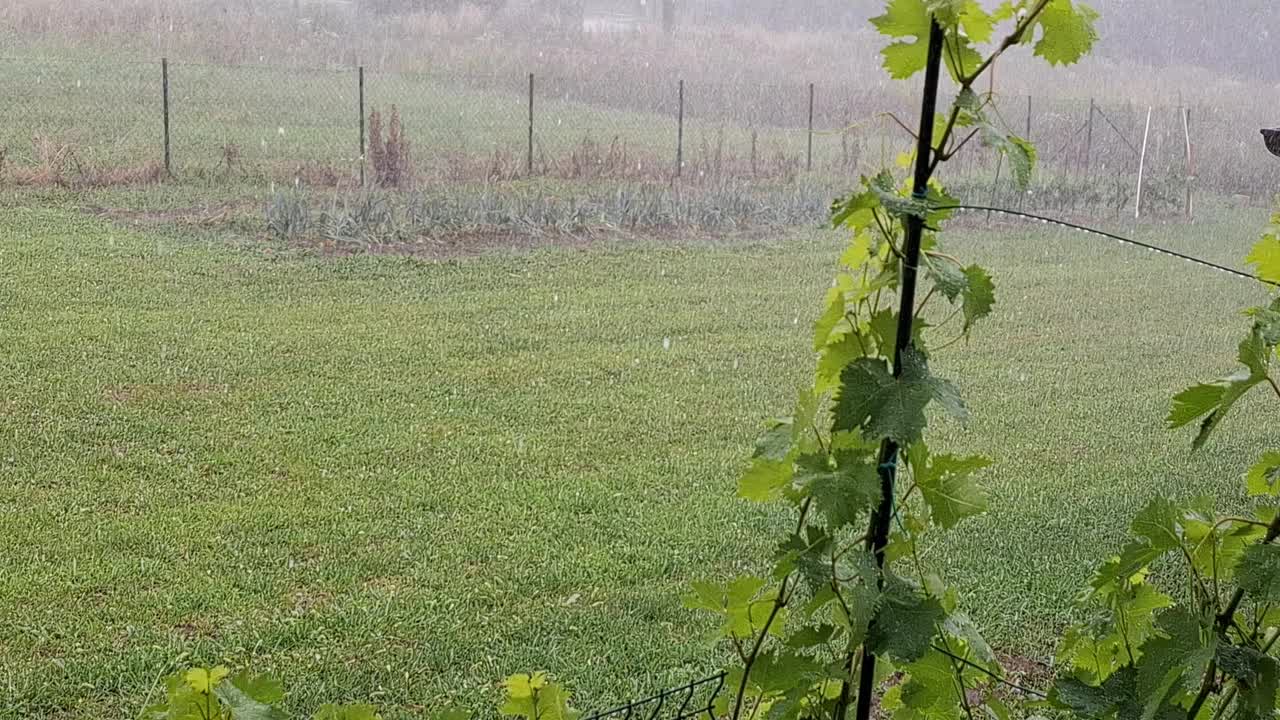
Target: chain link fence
column 69, row 121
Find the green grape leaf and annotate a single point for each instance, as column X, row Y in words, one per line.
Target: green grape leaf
column 1067, row 32
column 1212, row 401
column 205, row 680
column 1267, row 322
column 1114, row 698
column 1175, row 660
column 856, row 212
column 979, row 295
column 1217, row 549
column 882, row 406
column 894, row 202
column 904, row 19
column 1020, row 153
column 948, row 277
column 845, row 493
column 929, row 692
column 533, row 697
column 1100, row 647
column 182, row 701
column 947, row 484
column 346, row 712
column 830, row 318
column 1265, row 257
column 1022, row 158
column 775, row 672
column 252, row 697
column 1118, row 570
column 765, row 480
column 858, row 579
column 834, row 358
column 1258, row 573
column 775, row 443
column 976, row 22
column 1160, row 524
column 811, row 636
column 1258, row 677
column 1264, row 477
column 906, row 623
column 961, row 627
column 743, row 605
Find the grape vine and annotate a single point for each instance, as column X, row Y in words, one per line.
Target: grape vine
column 849, row 601
column 1206, row 650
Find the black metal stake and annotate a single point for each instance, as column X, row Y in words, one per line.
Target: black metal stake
column 164, row 99
column 1088, row 140
column 808, row 164
column 528, row 165
column 680, row 131
column 360, row 111
column 878, row 536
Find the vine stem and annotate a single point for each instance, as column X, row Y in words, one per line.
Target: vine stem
column 994, row 676
column 778, row 603
column 1230, row 694
column 1222, row 622
column 879, row 530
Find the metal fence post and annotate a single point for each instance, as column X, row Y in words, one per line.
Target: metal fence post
column 360, row 111
column 808, row 162
column 164, row 99
column 529, row 159
column 680, row 131
column 1088, row 140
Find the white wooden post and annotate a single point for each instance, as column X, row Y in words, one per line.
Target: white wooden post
column 1142, row 166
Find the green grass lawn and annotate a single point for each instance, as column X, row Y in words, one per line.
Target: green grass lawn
column 402, row 480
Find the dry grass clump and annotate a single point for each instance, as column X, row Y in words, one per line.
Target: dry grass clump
column 58, row 162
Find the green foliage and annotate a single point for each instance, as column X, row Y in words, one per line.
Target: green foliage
column 1144, row 653
column 536, row 697
column 1066, row 32
column 202, row 693
column 215, row 694
column 837, row 597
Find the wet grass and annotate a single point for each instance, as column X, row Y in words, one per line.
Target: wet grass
column 400, row 480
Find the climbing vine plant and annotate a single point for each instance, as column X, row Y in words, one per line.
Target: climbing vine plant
column 850, row 600
column 1207, row 649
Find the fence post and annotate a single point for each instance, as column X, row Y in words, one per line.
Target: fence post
column 1191, row 165
column 680, row 131
column 1088, row 140
column 1142, row 165
column 528, row 165
column 164, row 95
column 808, row 163
column 360, row 110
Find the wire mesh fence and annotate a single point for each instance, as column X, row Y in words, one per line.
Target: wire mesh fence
column 68, row 120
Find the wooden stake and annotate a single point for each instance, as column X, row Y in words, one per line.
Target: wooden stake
column 1191, row 164
column 1142, row 166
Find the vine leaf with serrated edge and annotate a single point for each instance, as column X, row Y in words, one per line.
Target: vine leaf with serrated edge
column 883, row 406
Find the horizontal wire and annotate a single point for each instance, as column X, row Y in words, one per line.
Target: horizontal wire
column 1112, row 236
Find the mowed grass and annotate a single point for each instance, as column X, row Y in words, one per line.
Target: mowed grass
column 400, row 481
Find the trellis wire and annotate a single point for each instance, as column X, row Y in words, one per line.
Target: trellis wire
column 1111, row 236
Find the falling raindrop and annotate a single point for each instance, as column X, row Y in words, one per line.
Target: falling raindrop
column 735, row 363
column 666, row 343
